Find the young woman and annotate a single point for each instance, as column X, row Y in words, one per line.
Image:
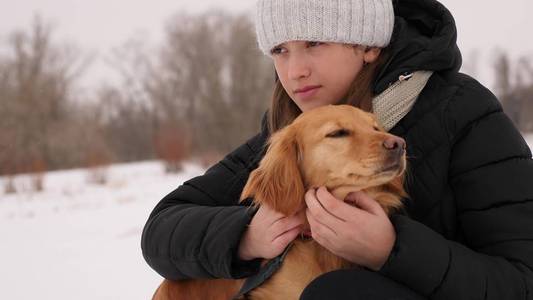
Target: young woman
column 468, row 229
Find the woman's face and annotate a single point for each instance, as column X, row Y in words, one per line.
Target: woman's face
column 315, row 73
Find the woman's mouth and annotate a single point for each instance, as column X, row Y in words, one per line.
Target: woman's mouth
column 307, row 92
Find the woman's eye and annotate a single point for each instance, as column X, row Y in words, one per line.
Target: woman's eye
column 338, row 133
column 313, row 44
column 280, row 50
column 276, row 50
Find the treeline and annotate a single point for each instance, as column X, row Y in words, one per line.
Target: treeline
column 514, row 87
column 200, row 93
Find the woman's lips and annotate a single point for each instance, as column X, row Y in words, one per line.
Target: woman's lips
column 307, row 93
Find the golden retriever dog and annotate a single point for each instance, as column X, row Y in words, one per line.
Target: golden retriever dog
column 336, row 146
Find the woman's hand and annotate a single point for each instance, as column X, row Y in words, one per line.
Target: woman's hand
column 362, row 234
column 269, row 233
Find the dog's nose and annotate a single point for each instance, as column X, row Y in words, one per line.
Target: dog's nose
column 394, row 143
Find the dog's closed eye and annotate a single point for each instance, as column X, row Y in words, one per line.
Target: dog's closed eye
column 338, row 133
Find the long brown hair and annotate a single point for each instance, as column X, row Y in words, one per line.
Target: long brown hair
column 283, row 110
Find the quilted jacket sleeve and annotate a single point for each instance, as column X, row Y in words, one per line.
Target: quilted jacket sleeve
column 194, row 231
column 491, row 175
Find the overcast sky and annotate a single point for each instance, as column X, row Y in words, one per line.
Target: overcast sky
column 100, row 25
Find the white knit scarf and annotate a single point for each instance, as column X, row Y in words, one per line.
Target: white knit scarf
column 396, row 101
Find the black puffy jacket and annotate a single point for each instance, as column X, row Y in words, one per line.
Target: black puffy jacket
column 469, row 234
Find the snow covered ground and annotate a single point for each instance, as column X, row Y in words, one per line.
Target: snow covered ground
column 529, row 140
column 81, row 241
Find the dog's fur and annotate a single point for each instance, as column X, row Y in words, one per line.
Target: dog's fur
column 337, row 146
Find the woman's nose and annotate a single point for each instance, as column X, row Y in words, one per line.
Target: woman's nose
column 298, row 67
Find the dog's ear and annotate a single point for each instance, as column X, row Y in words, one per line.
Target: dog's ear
column 277, row 182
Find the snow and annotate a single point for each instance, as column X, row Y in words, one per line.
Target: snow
column 77, row 240
column 529, row 140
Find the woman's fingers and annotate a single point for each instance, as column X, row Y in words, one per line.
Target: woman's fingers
column 319, row 212
column 281, row 241
column 320, row 232
column 366, row 203
column 284, row 224
column 269, row 233
column 268, row 216
column 336, row 207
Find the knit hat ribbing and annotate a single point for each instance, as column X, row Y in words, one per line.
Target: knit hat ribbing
column 364, row 22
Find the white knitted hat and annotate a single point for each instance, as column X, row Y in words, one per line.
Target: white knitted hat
column 364, row 22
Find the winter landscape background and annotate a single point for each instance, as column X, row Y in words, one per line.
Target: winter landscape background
column 80, row 241
column 125, row 81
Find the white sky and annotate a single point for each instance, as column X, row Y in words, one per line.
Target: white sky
column 99, row 25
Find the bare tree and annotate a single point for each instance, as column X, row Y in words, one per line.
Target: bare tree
column 36, row 78
column 251, row 78
column 212, row 77
column 502, row 68
column 203, row 92
column 514, row 87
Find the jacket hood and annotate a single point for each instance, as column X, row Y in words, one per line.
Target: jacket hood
column 424, row 38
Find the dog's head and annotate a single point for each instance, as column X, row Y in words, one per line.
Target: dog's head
column 337, row 146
